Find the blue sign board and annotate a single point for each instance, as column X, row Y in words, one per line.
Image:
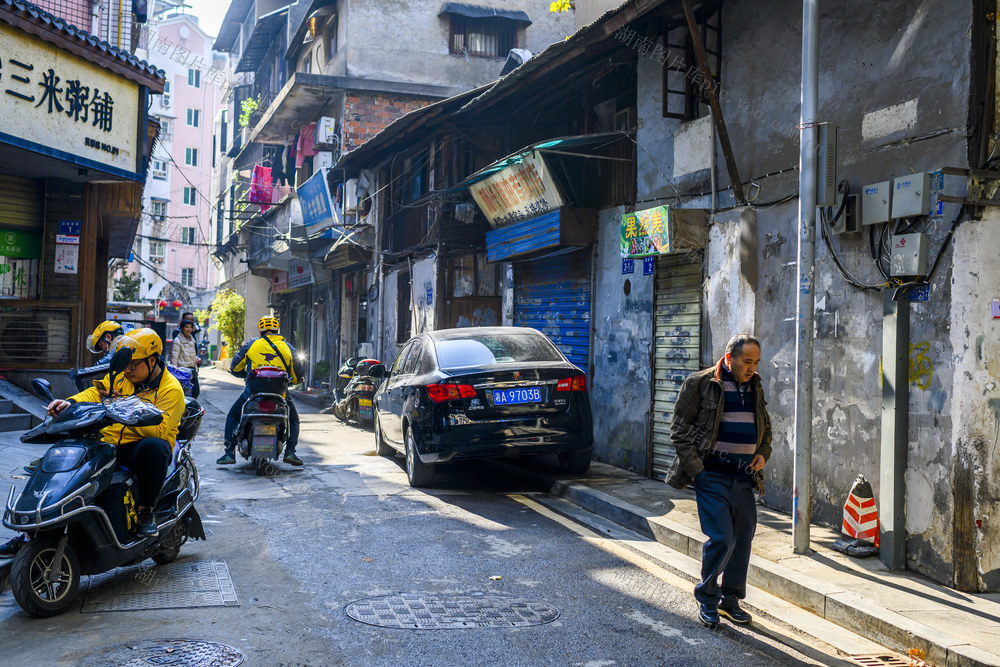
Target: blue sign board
column 921, row 293
column 648, row 265
column 628, row 266
column 317, row 205
column 69, row 227
column 430, row 296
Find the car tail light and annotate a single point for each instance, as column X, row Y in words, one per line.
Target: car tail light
column 576, row 383
column 267, row 405
column 439, row 393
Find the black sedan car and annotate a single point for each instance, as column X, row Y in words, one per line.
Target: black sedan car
column 482, row 392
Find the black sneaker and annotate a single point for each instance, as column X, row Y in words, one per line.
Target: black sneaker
column 730, row 608
column 292, row 459
column 10, row 548
column 147, row 524
column 708, row 615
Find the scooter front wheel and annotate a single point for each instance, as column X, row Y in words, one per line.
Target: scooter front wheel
column 35, row 589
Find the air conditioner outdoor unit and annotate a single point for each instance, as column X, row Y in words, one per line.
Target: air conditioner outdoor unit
column 165, row 100
column 351, row 197
column 35, row 338
column 326, row 133
column 323, row 160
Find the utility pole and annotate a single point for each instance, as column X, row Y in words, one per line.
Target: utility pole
column 802, row 492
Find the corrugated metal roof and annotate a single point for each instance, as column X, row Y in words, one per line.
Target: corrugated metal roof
column 42, row 18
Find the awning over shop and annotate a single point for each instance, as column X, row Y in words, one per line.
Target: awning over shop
column 564, row 228
column 481, row 12
column 260, row 40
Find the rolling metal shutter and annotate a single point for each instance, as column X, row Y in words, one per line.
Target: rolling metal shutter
column 677, row 338
column 553, row 296
column 20, row 203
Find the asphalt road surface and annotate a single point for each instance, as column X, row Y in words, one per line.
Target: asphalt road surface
column 310, row 550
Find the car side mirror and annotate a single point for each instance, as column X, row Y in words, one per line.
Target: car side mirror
column 42, row 389
column 378, row 371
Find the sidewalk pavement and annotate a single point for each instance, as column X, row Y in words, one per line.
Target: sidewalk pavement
column 899, row 610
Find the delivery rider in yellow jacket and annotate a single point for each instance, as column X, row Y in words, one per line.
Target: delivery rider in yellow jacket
column 269, row 349
column 146, row 450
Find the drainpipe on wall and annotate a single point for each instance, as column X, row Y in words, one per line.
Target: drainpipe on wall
column 802, row 492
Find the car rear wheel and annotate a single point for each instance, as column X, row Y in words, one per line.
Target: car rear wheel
column 382, row 448
column 576, row 462
column 419, row 473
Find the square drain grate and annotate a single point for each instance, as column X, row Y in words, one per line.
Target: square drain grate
column 179, row 585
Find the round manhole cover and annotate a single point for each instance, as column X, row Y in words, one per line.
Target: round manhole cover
column 419, row 611
column 187, row 652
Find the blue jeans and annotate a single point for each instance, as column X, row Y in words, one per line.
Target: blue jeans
column 728, row 515
column 233, row 422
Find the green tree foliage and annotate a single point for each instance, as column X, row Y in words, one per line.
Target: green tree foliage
column 202, row 316
column 247, row 109
column 127, row 286
column 228, row 310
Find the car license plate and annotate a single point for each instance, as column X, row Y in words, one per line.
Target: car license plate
column 265, row 429
column 365, row 402
column 519, row 395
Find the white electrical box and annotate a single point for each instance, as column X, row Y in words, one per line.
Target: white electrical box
column 326, row 132
column 909, row 255
column 826, row 164
column 911, row 195
column 875, row 200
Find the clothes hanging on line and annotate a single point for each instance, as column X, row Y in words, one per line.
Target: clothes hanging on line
column 278, row 170
column 305, row 145
column 260, row 187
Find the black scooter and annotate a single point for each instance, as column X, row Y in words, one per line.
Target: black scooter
column 355, row 400
column 78, row 507
column 263, row 429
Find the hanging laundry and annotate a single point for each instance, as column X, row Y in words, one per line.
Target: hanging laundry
column 290, row 164
column 306, row 148
column 260, row 187
column 294, row 156
column 278, row 170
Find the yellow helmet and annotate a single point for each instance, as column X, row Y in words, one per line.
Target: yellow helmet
column 107, row 327
column 143, row 342
column 266, row 323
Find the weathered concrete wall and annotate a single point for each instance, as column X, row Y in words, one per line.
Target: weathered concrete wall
column 623, row 339
column 588, row 11
column 865, row 67
column 972, row 457
column 406, row 40
column 728, row 294
column 424, row 278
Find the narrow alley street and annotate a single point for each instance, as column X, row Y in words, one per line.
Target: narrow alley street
column 307, row 548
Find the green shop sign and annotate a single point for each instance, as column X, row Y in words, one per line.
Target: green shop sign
column 25, row 245
column 646, row 233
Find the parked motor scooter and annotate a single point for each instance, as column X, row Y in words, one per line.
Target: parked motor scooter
column 263, row 429
column 354, row 401
column 78, row 507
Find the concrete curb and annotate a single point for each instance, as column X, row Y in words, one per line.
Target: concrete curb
column 832, row 603
column 24, row 400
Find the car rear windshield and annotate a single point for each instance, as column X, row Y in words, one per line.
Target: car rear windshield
column 483, row 350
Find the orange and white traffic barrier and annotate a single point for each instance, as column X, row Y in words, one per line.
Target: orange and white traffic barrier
column 860, row 513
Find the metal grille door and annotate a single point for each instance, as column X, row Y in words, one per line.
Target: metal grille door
column 553, row 296
column 677, row 337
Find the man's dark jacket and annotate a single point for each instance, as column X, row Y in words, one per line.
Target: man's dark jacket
column 695, row 426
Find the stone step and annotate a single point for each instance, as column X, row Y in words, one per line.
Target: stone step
column 6, row 406
column 15, row 422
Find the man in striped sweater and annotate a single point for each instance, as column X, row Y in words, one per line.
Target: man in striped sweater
column 722, row 434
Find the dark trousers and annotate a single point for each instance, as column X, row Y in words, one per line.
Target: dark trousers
column 148, row 459
column 728, row 515
column 195, row 387
column 233, row 422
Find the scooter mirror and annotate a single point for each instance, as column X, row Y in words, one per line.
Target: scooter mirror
column 42, row 389
column 121, row 359
column 377, row 371
column 353, row 361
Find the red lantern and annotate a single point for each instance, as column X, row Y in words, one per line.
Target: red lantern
column 176, row 304
column 163, row 304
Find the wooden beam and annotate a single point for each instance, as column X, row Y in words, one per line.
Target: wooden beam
column 713, row 102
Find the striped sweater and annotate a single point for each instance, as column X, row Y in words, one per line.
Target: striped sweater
column 736, row 440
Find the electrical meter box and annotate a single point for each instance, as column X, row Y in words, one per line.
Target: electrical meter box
column 911, row 195
column 909, row 255
column 875, row 200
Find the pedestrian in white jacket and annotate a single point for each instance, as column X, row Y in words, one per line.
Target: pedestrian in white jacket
column 184, row 353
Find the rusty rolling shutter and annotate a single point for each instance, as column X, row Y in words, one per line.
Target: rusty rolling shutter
column 677, row 340
column 21, row 202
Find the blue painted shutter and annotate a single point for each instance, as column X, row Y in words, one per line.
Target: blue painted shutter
column 553, row 296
